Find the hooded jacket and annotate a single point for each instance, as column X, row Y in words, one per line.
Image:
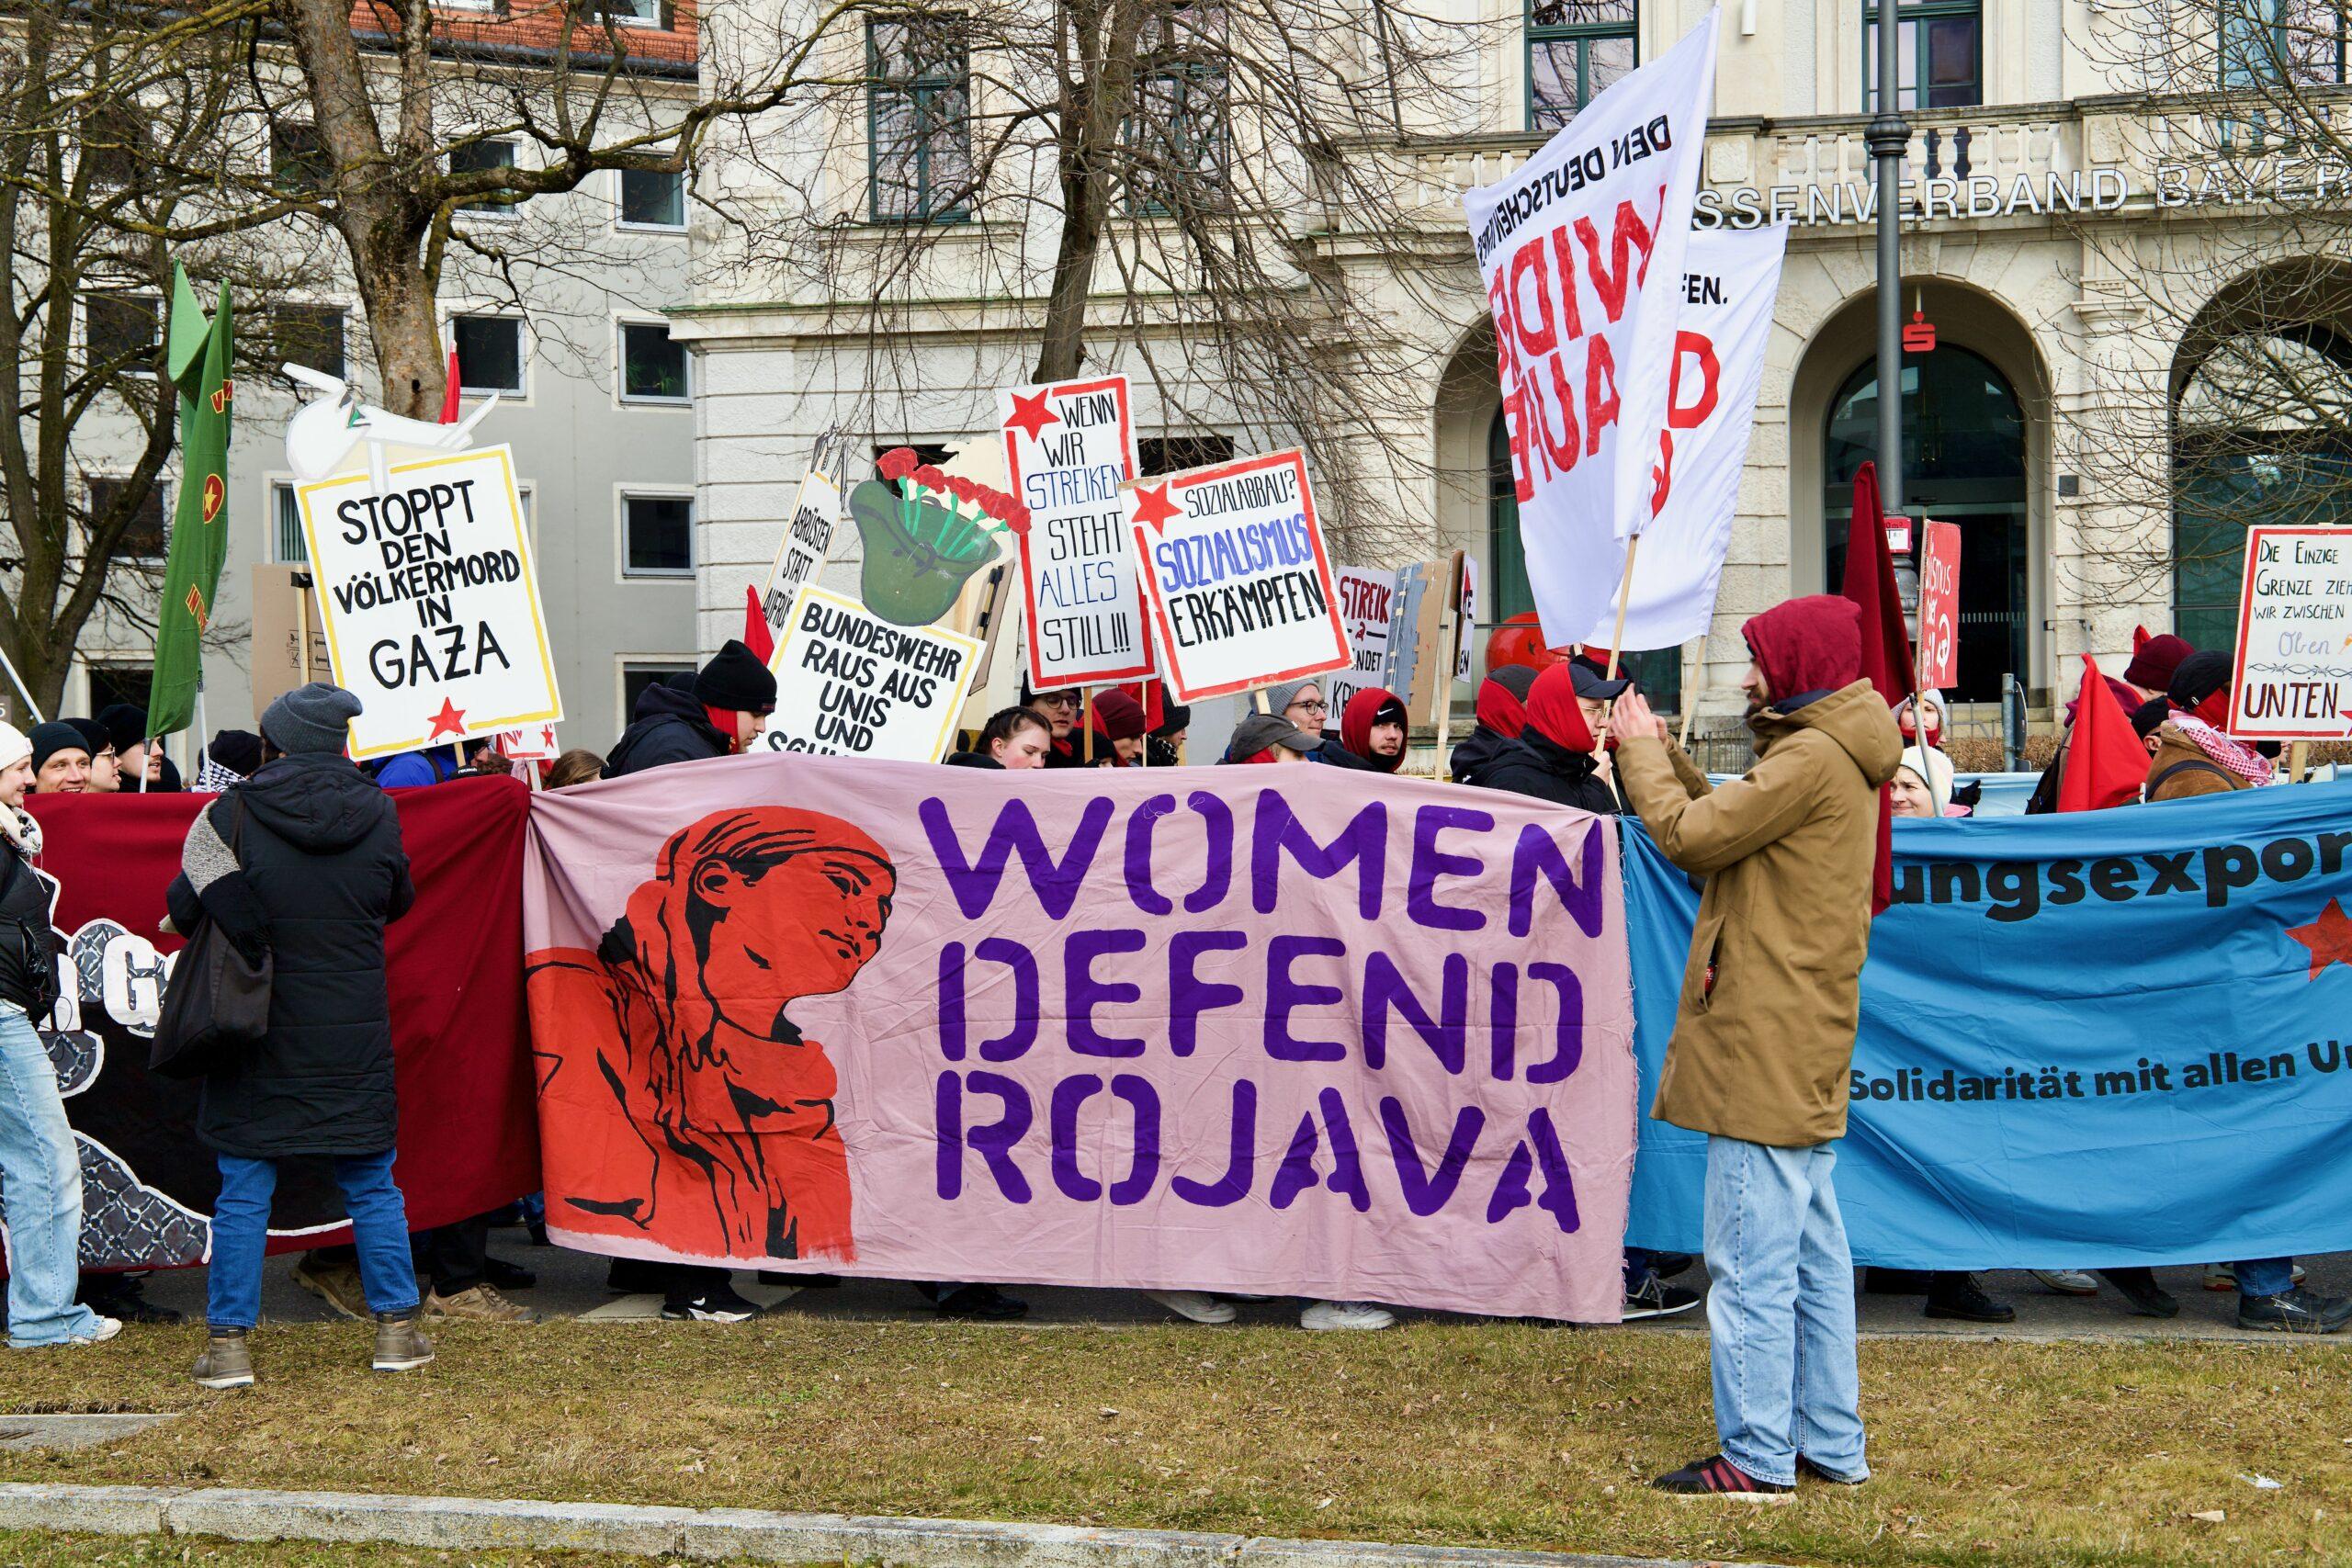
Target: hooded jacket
column 2181, row 769
column 668, row 725
column 1371, row 706
column 1502, row 715
column 1552, row 759
column 1764, row 1029
column 318, row 872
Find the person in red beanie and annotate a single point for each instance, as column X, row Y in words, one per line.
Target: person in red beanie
column 2154, row 661
column 1502, row 714
column 1119, row 729
column 1373, row 726
column 1796, row 860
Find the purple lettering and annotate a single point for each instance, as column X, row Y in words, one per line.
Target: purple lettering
column 1567, row 1034
column 1283, row 993
column 1502, row 1021
column 1054, row 883
column 1425, row 1194
column 1147, row 899
column 1144, row 1173
column 1189, row 996
column 1510, row 1192
column 994, row 1143
column 1216, row 873
column 1430, row 863
column 1085, row 993
column 1447, row 1036
column 1069, row 1096
column 953, row 965
column 1578, row 891
column 1241, row 1157
column 1296, row 1173
column 1364, row 840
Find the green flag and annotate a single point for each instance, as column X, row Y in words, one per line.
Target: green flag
column 200, row 365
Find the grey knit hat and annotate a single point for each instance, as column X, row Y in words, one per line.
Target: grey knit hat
column 1281, row 696
column 316, row 718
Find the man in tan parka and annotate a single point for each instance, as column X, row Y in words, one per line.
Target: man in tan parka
column 1764, row 1033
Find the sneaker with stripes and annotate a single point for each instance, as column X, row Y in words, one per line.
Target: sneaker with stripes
column 1718, row 1477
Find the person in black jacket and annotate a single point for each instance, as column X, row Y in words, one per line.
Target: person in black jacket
column 127, row 728
column 1502, row 714
column 303, row 862
column 1555, row 757
column 1012, row 739
column 720, row 715
column 40, row 1169
column 1303, row 703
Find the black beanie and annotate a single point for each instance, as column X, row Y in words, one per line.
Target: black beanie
column 2200, row 675
column 126, row 726
column 57, row 735
column 736, row 680
column 238, row 750
column 2149, row 714
column 95, row 737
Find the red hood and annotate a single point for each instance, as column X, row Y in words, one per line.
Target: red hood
column 1813, row 644
column 1502, row 700
column 1553, row 713
column 1357, row 719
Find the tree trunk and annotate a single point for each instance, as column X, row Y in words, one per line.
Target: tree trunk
column 1094, row 106
column 402, row 320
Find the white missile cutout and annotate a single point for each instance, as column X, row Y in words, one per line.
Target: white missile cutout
column 324, row 430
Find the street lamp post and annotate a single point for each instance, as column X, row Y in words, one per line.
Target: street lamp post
column 1887, row 137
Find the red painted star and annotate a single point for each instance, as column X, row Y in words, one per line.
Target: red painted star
column 450, row 720
column 1152, row 507
column 2329, row 937
column 1030, row 414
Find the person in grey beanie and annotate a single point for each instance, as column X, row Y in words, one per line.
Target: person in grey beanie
column 1304, row 705
column 303, row 862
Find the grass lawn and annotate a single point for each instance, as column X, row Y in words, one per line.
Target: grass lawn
column 1470, row 1433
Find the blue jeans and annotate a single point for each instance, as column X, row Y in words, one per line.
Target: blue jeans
column 2265, row 1276
column 41, row 1194
column 1781, row 1311
column 240, row 1232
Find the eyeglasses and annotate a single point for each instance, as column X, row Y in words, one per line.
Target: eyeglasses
column 1312, row 704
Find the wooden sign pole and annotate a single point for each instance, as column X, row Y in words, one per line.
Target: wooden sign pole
column 1616, row 653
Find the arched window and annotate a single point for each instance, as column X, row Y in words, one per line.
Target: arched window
column 1659, row 671
column 1963, row 461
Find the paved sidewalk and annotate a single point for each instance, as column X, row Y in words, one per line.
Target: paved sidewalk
column 710, row 1534
column 571, row 1284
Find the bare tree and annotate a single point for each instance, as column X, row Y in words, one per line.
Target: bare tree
column 1217, row 196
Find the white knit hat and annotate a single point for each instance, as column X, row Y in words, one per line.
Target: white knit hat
column 13, row 747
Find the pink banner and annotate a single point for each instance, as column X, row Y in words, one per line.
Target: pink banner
column 1278, row 1031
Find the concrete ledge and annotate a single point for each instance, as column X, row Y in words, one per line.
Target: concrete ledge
column 710, row 1534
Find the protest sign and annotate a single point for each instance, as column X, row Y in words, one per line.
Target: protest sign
column 1367, row 601
column 852, row 684
column 1581, row 250
column 1939, row 605
column 1239, row 590
column 537, row 744
column 1730, row 277
column 1418, row 665
column 286, row 617
column 2293, row 680
column 460, row 1056
column 807, row 544
column 1354, row 1038
column 1466, row 613
column 430, row 599
column 1068, row 447
column 2010, row 1108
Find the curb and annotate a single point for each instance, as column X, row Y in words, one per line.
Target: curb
column 710, row 1534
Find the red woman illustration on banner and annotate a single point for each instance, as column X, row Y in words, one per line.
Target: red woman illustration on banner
column 728, row 1145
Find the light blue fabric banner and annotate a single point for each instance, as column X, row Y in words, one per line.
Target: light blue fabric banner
column 2106, row 1038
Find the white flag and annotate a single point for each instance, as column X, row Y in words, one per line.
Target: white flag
column 1729, row 279
column 1581, row 250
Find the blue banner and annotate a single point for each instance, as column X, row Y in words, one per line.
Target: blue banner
column 2106, row 1038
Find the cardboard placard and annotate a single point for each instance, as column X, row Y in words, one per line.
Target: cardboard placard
column 1368, row 599
column 1240, row 591
column 285, row 616
column 1940, row 605
column 2293, row 675
column 1069, row 446
column 851, row 683
column 537, row 744
column 807, row 544
column 1417, row 646
column 430, row 599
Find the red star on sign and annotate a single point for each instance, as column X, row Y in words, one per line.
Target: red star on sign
column 1030, row 415
column 450, row 720
column 1152, row 507
column 2329, row 937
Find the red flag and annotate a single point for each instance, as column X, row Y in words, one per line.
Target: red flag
column 2106, row 762
column 449, row 391
column 1869, row 583
column 755, row 624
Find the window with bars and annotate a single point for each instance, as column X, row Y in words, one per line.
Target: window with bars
column 2298, row 42
column 1575, row 48
column 1939, row 52
column 489, row 354
column 290, row 549
column 1177, row 140
column 919, row 132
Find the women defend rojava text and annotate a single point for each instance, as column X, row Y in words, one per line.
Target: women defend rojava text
column 1795, row 858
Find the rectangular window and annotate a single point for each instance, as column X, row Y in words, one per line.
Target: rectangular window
column 1173, row 454
column 653, row 366
column 635, row 677
column 123, row 329
column 1940, row 50
column 309, row 335
column 298, row 159
column 1575, row 48
column 489, row 354
column 286, row 527
column 919, row 132
column 2290, row 42
column 480, row 157
column 112, row 683
column 658, row 536
column 629, row 12
column 1176, row 140
column 144, row 537
column 114, row 146
column 650, row 199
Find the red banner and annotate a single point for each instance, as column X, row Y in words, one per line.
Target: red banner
column 468, row 1137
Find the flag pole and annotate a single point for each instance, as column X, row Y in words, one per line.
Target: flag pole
column 1617, row 637
column 26, row 691
column 1693, row 669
